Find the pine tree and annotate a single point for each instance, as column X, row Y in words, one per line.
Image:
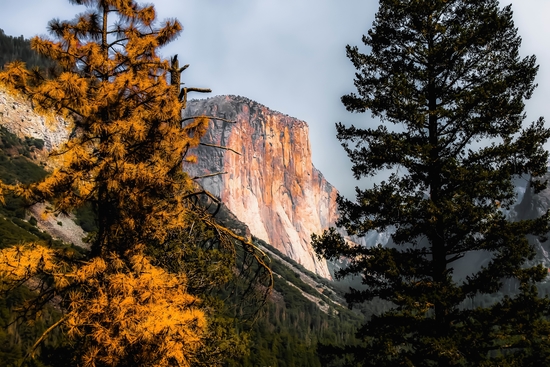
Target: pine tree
column 447, row 82
column 126, row 152
column 124, row 156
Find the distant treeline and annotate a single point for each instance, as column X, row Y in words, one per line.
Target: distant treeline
column 19, row 48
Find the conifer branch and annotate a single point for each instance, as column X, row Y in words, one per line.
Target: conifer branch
column 117, row 42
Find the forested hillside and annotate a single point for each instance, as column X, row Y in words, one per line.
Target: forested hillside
column 285, row 332
column 17, row 226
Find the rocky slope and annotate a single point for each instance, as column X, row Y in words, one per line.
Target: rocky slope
column 19, row 117
column 533, row 205
column 272, row 186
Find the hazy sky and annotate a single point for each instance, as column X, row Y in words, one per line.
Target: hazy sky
column 286, row 54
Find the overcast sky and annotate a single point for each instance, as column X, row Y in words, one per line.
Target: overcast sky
column 286, row 54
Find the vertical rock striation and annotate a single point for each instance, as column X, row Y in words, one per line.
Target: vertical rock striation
column 272, row 186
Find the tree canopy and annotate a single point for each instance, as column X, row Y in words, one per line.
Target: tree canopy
column 446, row 79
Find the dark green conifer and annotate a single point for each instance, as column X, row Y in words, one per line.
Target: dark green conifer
column 447, row 81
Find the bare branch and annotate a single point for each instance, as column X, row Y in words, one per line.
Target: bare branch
column 183, row 93
column 44, row 335
column 210, row 175
column 203, row 192
column 209, row 117
column 200, row 90
column 220, row 147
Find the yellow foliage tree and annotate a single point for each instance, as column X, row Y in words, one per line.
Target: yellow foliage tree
column 124, row 156
column 126, row 312
column 127, row 145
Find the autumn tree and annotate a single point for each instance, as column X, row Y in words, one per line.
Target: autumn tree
column 127, row 147
column 121, row 313
column 447, row 82
column 124, row 156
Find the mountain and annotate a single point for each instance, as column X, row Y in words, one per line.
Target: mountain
column 272, row 185
column 304, row 309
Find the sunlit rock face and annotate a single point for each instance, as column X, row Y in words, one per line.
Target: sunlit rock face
column 19, row 117
column 272, row 186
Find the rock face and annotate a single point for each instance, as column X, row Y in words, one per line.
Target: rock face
column 272, row 186
column 18, row 116
column 534, row 205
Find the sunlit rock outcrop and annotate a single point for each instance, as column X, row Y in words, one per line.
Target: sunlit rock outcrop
column 272, row 186
column 19, row 117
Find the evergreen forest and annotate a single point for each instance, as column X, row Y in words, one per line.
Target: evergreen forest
column 18, row 48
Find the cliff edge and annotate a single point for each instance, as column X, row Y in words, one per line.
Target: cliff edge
column 272, row 186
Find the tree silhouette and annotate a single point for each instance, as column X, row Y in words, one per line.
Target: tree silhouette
column 446, row 79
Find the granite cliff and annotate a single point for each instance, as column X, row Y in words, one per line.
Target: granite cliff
column 272, row 186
